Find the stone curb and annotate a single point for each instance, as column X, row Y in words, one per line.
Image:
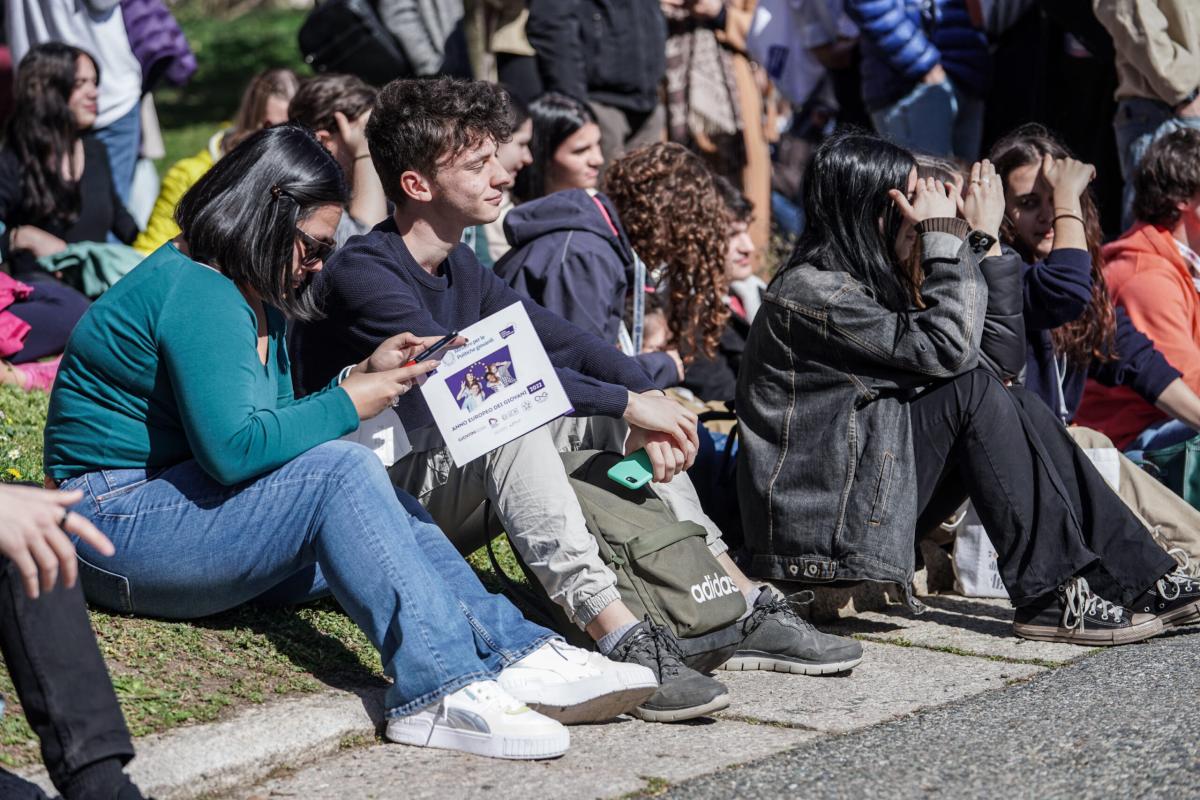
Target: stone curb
column 207, row 759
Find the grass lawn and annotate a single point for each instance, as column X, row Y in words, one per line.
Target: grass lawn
column 172, row 673
column 228, row 54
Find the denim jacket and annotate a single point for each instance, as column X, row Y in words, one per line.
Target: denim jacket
column 826, row 466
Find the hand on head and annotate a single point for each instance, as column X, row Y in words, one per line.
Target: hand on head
column 1068, row 177
column 983, row 203
column 34, row 528
column 931, row 199
column 353, row 133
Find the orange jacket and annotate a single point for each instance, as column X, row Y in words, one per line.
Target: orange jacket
column 1149, row 277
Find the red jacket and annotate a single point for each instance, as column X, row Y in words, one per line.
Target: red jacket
column 1150, row 278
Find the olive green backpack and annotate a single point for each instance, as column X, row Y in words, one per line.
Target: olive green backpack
column 663, row 566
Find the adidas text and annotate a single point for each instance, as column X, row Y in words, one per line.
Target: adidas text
column 713, row 586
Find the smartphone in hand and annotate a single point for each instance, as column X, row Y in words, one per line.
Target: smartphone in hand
column 633, row 471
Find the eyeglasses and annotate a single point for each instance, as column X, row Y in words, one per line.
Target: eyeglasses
column 314, row 249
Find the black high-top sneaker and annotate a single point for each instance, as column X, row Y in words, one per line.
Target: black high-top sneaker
column 1075, row 615
column 1174, row 598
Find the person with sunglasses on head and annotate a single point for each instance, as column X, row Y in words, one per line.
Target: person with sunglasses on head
column 174, row 415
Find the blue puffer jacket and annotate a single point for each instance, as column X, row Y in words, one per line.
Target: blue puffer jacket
column 904, row 39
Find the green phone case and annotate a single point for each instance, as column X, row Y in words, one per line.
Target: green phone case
column 633, row 471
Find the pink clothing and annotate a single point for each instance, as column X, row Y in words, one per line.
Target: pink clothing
column 13, row 329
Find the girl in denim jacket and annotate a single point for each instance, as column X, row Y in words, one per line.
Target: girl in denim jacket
column 865, row 415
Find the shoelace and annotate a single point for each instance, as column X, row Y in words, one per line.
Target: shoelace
column 655, row 642
column 569, row 653
column 782, row 604
column 1186, row 565
column 490, row 694
column 1170, row 585
column 1081, row 602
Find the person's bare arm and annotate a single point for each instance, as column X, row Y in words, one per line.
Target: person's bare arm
column 369, row 203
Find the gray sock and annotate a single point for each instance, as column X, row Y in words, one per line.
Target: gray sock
column 751, row 598
column 608, row 641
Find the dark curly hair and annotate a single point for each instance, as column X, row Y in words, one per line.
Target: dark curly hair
column 1169, row 174
column 1093, row 335
column 42, row 132
column 420, row 124
column 675, row 218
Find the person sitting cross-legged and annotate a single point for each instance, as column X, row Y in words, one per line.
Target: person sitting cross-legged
column 174, row 415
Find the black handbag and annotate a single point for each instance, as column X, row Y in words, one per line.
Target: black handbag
column 347, row 36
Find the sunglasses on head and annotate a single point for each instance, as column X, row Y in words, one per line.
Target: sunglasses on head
column 314, row 249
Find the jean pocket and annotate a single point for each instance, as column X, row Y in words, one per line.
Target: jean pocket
column 116, row 482
column 106, row 589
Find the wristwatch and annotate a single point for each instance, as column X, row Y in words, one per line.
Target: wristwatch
column 980, row 242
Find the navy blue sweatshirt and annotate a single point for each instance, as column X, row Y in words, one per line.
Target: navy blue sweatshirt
column 373, row 288
column 1057, row 291
column 566, row 256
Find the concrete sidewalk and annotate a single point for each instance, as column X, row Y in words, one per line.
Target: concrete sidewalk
column 326, row 746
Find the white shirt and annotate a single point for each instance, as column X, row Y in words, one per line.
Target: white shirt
column 1193, row 260
column 100, row 34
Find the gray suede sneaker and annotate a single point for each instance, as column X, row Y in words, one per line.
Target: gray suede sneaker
column 683, row 693
column 776, row 639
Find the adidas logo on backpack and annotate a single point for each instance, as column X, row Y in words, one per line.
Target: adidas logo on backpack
column 713, row 586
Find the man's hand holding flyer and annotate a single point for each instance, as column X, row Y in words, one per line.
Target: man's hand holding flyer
column 497, row 387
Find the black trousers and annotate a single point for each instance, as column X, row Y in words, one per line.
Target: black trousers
column 1048, row 512
column 61, row 680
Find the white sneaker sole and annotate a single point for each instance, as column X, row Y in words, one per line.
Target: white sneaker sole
column 424, row 733
column 593, row 700
column 1093, row 637
column 682, row 714
column 1185, row 615
column 768, row 663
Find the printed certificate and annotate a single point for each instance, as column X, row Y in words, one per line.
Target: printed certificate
column 497, row 387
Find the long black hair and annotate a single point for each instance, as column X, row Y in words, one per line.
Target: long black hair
column 43, row 131
column 241, row 216
column 555, row 117
column 845, row 197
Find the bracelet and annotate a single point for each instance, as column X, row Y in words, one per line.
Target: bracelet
column 345, row 373
column 1068, row 216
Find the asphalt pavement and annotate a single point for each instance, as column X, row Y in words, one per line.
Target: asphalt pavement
column 1118, row 724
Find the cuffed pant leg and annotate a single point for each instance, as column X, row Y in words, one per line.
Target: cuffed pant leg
column 528, row 486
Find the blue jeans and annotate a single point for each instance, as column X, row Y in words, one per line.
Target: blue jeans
column 939, row 119
column 1158, row 436
column 1138, row 123
column 123, row 140
column 329, row 521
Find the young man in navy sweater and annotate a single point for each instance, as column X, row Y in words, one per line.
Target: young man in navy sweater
column 434, row 145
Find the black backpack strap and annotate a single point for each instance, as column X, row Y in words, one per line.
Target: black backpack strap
column 535, row 605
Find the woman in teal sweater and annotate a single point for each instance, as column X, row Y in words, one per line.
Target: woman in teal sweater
column 174, row 414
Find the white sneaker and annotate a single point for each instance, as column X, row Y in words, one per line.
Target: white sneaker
column 483, row 719
column 573, row 685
